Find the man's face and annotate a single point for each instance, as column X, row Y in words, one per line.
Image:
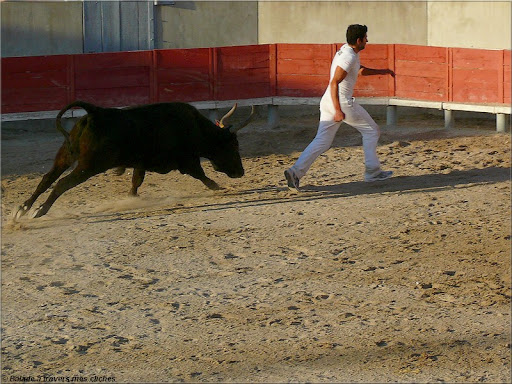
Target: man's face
column 361, row 43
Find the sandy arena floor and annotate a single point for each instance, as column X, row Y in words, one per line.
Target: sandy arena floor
column 403, row 281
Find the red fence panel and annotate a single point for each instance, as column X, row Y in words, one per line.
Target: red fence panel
column 183, row 75
column 298, row 70
column 113, row 79
column 303, row 69
column 421, row 72
column 35, row 83
column 476, row 75
column 242, row 72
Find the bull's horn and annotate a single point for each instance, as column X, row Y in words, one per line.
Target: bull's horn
column 226, row 116
column 238, row 127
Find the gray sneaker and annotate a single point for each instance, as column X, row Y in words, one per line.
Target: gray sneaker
column 378, row 176
column 292, row 180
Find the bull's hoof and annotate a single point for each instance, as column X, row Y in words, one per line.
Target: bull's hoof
column 39, row 212
column 22, row 211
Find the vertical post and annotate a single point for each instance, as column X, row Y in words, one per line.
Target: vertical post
column 153, row 77
column 273, row 116
column 213, row 73
column 392, row 66
column 70, row 78
column 449, row 74
column 151, row 30
column 501, row 78
column 391, row 115
column 500, row 123
column 272, row 70
column 448, row 119
column 272, row 110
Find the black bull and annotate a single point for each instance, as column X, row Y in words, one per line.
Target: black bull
column 156, row 137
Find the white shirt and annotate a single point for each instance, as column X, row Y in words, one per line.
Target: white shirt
column 348, row 60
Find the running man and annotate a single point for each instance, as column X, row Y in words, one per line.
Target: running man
column 338, row 105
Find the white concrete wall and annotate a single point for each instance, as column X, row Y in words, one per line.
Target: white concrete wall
column 209, row 24
column 30, row 28
column 468, row 24
column 465, row 24
column 326, row 21
column 41, row 28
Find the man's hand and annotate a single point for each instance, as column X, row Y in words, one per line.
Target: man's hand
column 339, row 116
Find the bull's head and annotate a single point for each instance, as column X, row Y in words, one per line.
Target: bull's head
column 228, row 159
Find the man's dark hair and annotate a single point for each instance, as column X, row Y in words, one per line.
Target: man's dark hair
column 356, row 31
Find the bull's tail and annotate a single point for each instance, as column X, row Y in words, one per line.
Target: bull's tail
column 88, row 107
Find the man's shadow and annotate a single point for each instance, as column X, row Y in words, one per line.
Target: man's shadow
column 420, row 183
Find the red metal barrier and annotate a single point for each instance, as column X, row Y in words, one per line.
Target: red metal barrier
column 35, row 83
column 299, row 70
column 477, row 75
column 302, row 70
column 113, row 79
column 421, row 72
column 242, row 72
column 182, row 74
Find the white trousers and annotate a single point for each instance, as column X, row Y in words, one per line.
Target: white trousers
column 355, row 116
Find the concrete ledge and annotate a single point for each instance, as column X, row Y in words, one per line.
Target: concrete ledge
column 204, row 104
column 469, row 107
column 507, row 110
column 486, row 108
column 285, row 100
column 241, row 103
column 41, row 115
column 80, row 112
column 373, row 100
column 33, row 115
column 416, row 103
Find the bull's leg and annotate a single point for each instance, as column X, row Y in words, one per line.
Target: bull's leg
column 137, row 179
column 209, row 183
column 77, row 176
column 195, row 170
column 63, row 161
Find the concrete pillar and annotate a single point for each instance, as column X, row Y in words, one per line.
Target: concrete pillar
column 391, row 115
column 449, row 121
column 273, row 116
column 501, row 122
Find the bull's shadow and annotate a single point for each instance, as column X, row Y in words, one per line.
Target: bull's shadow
column 270, row 195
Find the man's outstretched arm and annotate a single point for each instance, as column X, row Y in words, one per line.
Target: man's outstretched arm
column 364, row 71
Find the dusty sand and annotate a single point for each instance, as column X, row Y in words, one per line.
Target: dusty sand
column 403, row 281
